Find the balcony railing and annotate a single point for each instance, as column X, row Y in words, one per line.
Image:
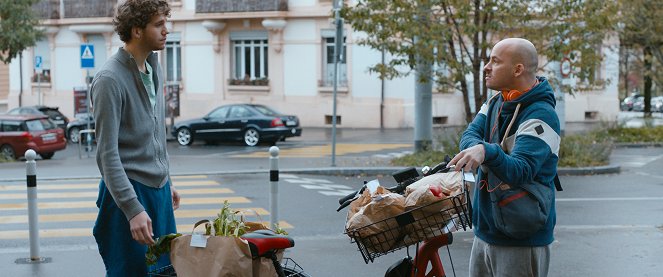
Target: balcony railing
column 222, row 6
column 50, row 9
column 47, row 9
column 89, row 8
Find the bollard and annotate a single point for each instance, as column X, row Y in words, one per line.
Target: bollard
column 33, row 214
column 33, row 217
column 274, row 183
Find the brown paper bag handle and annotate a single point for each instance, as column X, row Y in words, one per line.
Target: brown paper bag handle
column 241, row 214
column 207, row 222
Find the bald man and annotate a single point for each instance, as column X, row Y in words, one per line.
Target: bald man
column 514, row 143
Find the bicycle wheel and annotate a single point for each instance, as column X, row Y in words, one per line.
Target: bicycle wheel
column 292, row 269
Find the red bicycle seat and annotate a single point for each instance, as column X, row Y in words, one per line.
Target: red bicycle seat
column 263, row 241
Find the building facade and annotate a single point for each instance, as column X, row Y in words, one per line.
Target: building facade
column 274, row 52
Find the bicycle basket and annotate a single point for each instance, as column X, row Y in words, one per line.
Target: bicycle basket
column 166, row 271
column 419, row 224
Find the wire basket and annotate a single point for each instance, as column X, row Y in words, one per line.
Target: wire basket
column 414, row 226
column 292, row 269
column 166, row 271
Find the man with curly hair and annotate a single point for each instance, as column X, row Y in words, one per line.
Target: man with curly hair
column 136, row 198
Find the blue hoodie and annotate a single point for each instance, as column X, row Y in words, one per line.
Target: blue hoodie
column 529, row 153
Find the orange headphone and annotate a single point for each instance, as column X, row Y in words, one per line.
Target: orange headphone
column 510, row 95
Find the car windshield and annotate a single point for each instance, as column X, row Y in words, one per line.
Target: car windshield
column 39, row 125
column 265, row 110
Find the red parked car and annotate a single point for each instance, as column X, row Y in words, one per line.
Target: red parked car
column 18, row 133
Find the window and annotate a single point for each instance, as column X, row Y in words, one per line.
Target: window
column 219, row 113
column 173, row 58
column 41, row 49
column 250, row 59
column 328, row 38
column 250, row 55
column 240, row 112
column 11, row 126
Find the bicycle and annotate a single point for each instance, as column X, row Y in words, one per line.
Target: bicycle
column 263, row 244
column 417, row 226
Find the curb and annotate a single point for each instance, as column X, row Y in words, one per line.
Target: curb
column 575, row 171
column 638, row 145
column 344, row 171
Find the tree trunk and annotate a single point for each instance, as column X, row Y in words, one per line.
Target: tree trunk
column 476, row 59
column 648, row 81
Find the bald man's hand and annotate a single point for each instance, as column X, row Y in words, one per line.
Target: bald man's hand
column 470, row 158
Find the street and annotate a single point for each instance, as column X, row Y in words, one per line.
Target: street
column 607, row 225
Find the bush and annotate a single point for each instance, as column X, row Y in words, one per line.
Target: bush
column 447, row 142
column 647, row 134
column 582, row 150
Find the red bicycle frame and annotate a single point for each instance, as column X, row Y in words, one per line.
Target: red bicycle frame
column 428, row 254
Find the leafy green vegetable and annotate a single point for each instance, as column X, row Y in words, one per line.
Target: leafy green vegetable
column 160, row 247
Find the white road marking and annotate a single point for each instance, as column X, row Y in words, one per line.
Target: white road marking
column 610, row 199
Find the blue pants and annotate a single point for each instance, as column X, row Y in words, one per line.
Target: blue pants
column 122, row 255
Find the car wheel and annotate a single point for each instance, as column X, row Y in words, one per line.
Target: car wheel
column 8, row 152
column 74, row 134
column 47, row 156
column 184, row 136
column 251, row 137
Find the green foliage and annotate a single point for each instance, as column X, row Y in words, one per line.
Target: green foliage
column 642, row 37
column 227, row 223
column 583, row 150
column 17, row 28
column 448, row 141
column 160, row 247
column 456, row 35
column 637, row 135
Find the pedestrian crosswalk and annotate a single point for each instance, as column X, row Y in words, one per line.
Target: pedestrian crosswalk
column 67, row 208
column 322, row 186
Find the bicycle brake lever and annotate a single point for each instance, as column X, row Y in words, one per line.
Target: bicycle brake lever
column 345, row 204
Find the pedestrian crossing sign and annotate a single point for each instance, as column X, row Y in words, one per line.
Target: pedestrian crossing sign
column 87, row 56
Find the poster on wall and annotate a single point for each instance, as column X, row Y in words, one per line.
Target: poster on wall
column 172, row 100
column 80, row 100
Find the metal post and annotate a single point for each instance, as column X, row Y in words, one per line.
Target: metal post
column 39, row 88
column 338, row 47
column 274, row 183
column 33, row 216
column 88, row 137
column 33, row 213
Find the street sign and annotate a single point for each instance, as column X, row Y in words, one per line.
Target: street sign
column 38, row 63
column 87, row 56
column 565, row 67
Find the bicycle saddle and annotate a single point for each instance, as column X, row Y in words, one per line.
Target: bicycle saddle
column 262, row 242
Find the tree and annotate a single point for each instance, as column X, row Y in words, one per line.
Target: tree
column 455, row 36
column 643, row 31
column 17, row 28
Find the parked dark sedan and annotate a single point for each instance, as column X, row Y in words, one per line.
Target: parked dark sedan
column 52, row 112
column 79, row 123
column 249, row 123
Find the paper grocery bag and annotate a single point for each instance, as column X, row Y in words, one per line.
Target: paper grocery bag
column 221, row 257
